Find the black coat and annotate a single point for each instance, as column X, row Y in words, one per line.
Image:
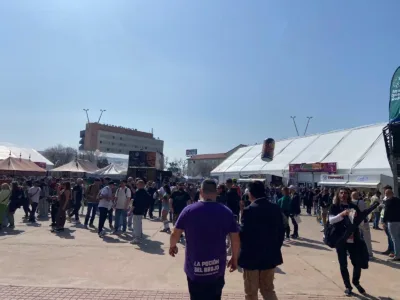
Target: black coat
column 233, row 201
column 295, row 204
column 261, row 236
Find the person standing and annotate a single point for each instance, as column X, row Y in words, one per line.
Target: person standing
column 376, row 213
column 391, row 217
column 364, row 226
column 64, row 199
column 232, row 198
column 151, row 189
column 92, row 196
column 140, row 202
column 122, row 201
column 206, row 223
column 261, row 234
column 324, row 202
column 43, row 206
column 295, row 210
column 106, row 197
column 338, row 217
column 77, row 196
column 5, row 194
column 178, row 201
column 34, row 195
column 284, row 204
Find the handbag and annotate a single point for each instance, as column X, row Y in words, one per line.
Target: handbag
column 331, row 235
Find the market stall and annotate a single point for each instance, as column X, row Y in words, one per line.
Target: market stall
column 76, row 167
column 112, row 170
column 20, row 167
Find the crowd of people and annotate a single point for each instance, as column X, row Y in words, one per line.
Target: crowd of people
column 248, row 223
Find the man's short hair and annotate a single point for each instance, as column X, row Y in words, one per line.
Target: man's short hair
column 387, row 187
column 257, row 189
column 209, row 186
column 229, row 180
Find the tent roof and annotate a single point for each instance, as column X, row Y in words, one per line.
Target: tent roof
column 78, row 166
column 360, row 150
column 6, row 148
column 112, row 169
column 22, row 165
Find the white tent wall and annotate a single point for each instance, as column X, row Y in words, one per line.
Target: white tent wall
column 245, row 159
column 374, row 161
column 24, row 153
column 255, row 166
column 353, row 147
column 280, row 165
column 221, row 168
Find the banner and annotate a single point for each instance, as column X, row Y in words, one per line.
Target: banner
column 394, row 104
column 313, row 167
column 191, row 152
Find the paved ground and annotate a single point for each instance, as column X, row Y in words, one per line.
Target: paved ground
column 36, row 264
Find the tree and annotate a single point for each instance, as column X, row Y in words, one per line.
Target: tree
column 59, row 154
column 173, row 166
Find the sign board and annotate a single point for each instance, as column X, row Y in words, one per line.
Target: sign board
column 334, row 178
column 313, row 167
column 191, row 152
column 142, row 159
column 365, row 178
column 394, row 104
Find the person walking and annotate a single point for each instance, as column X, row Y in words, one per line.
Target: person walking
column 284, row 204
column 261, row 234
column 178, row 201
column 391, row 217
column 151, row 189
column 324, row 202
column 206, row 224
column 34, row 195
column 233, row 198
column 295, row 211
column 140, row 202
column 122, row 201
column 339, row 218
column 92, row 196
column 106, row 197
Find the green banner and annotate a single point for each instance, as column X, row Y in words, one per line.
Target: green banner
column 394, row 104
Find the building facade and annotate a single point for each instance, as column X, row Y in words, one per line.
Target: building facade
column 119, row 140
column 203, row 164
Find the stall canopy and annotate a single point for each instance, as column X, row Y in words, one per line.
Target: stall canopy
column 358, row 150
column 22, row 167
column 12, row 150
column 77, row 166
column 112, row 170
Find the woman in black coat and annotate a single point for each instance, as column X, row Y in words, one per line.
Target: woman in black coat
column 354, row 245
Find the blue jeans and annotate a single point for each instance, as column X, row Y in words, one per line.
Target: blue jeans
column 377, row 217
column 120, row 217
column 390, row 242
column 394, row 230
column 92, row 207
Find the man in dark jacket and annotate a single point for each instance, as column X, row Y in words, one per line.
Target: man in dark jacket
column 151, row 189
column 294, row 210
column 261, row 235
column 140, row 203
column 232, row 198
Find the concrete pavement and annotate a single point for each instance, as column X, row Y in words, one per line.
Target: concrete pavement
column 77, row 262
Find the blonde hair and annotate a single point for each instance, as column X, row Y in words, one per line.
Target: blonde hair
column 5, row 186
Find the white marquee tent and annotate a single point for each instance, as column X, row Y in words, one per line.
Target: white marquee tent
column 112, row 170
column 7, row 150
column 359, row 154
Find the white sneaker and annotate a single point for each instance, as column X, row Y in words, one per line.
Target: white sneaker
column 323, row 229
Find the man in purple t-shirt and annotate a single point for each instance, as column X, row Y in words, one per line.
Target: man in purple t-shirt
column 206, row 224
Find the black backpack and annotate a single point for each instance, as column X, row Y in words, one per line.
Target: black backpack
column 331, row 235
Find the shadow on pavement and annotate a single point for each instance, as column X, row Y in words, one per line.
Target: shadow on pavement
column 385, row 263
column 66, row 234
column 9, row 231
column 112, row 240
column 310, row 241
column 150, row 246
column 369, row 297
column 312, row 246
column 279, row 271
column 33, row 224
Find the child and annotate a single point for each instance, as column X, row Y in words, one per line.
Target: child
column 164, row 213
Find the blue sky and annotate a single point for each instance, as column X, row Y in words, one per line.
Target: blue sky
column 204, row 74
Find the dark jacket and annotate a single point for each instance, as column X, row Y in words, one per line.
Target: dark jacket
column 392, row 210
column 221, row 198
column 295, row 204
column 141, row 202
column 233, row 200
column 324, row 201
column 261, row 236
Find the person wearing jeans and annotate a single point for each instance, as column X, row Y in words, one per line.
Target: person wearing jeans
column 376, row 213
column 34, row 195
column 77, row 195
column 91, row 194
column 140, row 203
column 122, row 201
column 391, row 217
column 105, row 202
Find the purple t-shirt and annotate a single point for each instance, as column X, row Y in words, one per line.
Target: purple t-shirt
column 206, row 225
